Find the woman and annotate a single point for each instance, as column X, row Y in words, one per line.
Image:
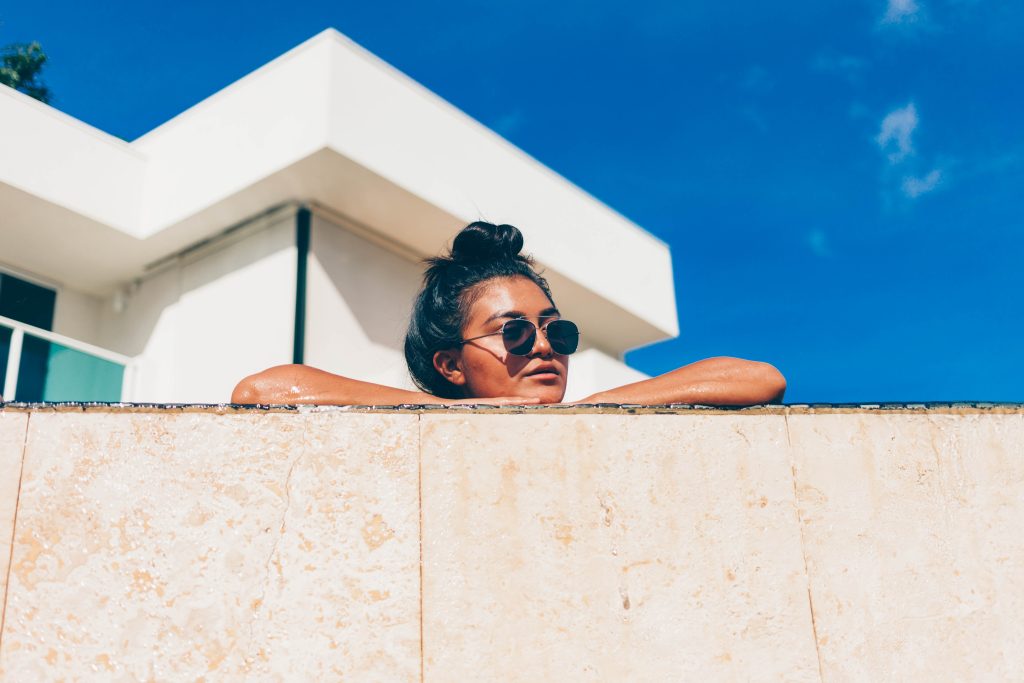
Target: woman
column 485, row 329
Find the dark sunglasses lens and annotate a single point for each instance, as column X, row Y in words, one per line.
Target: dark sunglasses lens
column 564, row 336
column 519, row 336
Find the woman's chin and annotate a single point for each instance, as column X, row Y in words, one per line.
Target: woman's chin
column 542, row 389
column 546, row 394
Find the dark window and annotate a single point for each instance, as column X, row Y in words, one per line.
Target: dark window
column 26, row 302
column 33, row 305
column 5, row 349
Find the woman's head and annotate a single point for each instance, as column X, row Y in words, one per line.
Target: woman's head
column 468, row 295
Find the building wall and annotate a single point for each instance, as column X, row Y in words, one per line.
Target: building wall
column 77, row 315
column 359, row 298
column 542, row 544
column 65, row 161
column 200, row 324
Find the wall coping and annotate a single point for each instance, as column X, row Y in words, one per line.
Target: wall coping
column 935, row 408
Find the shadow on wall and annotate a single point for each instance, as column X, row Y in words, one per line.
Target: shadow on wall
column 376, row 285
column 227, row 310
column 156, row 297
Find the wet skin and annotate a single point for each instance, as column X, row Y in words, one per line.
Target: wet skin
column 483, row 368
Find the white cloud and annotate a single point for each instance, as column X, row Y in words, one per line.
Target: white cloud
column 896, row 132
column 913, row 187
column 901, row 12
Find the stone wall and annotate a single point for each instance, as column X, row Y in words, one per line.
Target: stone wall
column 515, row 545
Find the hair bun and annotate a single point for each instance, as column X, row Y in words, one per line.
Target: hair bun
column 482, row 241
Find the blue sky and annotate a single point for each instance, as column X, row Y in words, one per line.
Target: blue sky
column 840, row 181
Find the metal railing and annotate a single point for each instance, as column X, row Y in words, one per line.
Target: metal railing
column 66, row 373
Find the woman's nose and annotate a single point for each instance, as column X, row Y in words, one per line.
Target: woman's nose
column 541, row 346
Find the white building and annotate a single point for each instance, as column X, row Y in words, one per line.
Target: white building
column 282, row 219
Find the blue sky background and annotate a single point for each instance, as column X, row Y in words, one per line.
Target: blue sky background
column 840, row 181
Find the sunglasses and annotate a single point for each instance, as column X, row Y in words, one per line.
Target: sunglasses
column 519, row 336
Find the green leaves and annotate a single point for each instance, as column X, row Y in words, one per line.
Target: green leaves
column 21, row 66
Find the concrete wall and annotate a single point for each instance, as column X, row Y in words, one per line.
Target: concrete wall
column 359, row 297
column 199, row 324
column 76, row 315
column 533, row 544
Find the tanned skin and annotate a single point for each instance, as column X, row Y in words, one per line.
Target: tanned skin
column 489, row 374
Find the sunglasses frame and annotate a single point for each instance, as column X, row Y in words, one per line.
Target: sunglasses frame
column 533, row 335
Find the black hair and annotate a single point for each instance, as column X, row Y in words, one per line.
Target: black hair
column 480, row 252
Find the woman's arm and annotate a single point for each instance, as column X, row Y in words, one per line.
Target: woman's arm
column 294, row 384
column 715, row 381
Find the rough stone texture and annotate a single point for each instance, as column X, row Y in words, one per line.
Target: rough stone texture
column 162, row 546
column 12, row 444
column 914, row 536
column 198, row 543
column 604, row 547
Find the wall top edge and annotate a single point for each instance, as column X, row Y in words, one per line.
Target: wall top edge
column 941, row 408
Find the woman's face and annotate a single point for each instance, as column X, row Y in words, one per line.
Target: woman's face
column 485, row 369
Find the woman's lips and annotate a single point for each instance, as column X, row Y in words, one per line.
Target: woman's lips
column 545, row 373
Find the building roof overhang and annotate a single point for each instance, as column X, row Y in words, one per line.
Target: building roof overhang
column 329, row 124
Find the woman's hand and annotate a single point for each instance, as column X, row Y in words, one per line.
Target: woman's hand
column 715, row 381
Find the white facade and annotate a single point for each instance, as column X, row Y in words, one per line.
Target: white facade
column 179, row 250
